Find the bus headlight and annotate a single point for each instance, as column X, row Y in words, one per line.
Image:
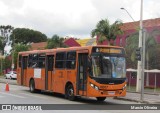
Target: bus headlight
column 94, row 86
column 124, row 87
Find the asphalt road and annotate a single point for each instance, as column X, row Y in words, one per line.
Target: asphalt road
column 21, row 95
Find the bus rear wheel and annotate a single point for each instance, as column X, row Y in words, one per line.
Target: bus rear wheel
column 32, row 86
column 101, row 98
column 70, row 92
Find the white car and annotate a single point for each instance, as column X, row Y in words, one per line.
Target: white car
column 11, row 75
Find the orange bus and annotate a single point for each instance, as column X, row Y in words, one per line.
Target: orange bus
column 91, row 71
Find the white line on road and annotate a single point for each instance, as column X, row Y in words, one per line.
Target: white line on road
column 7, row 93
column 33, row 95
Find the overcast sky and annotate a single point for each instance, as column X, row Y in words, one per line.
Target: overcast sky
column 71, row 17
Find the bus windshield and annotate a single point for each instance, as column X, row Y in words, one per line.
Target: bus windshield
column 106, row 66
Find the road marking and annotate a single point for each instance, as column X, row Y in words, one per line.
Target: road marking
column 11, row 94
column 33, row 95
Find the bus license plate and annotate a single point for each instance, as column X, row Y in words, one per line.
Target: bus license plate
column 111, row 92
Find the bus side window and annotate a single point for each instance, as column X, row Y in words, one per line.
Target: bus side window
column 30, row 61
column 33, row 60
column 71, row 60
column 60, row 60
column 41, row 60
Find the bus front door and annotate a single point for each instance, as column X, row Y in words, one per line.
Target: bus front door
column 24, row 70
column 49, row 72
column 82, row 74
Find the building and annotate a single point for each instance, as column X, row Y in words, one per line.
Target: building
column 38, row 46
column 128, row 29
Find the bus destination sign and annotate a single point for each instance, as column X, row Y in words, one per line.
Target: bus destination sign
column 108, row 50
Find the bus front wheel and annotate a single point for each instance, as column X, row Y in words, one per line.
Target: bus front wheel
column 101, row 98
column 70, row 92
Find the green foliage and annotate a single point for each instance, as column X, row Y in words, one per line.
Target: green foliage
column 150, row 45
column 1, row 44
column 5, row 31
column 107, row 30
column 7, row 63
column 18, row 48
column 55, row 42
column 25, row 36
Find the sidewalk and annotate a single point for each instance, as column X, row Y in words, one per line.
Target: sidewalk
column 148, row 98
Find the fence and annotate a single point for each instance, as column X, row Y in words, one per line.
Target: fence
column 151, row 80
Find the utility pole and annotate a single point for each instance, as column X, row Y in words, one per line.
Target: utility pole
column 139, row 66
column 143, row 65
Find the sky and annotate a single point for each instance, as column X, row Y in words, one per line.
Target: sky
column 73, row 18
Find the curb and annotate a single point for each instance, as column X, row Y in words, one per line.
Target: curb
column 148, row 93
column 133, row 100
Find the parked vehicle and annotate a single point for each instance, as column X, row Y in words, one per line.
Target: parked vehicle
column 11, row 75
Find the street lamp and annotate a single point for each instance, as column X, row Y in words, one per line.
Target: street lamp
column 141, row 63
column 127, row 13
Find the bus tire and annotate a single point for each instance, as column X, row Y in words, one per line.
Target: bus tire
column 70, row 92
column 32, row 86
column 101, row 98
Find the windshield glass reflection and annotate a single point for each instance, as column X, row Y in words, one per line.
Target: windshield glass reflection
column 104, row 66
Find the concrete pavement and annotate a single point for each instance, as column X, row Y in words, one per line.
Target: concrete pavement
column 131, row 96
column 148, row 98
column 3, row 80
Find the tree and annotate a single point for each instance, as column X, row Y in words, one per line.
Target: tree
column 55, row 42
column 25, row 36
column 151, row 46
column 6, row 31
column 151, row 59
column 1, row 44
column 107, row 31
column 18, row 48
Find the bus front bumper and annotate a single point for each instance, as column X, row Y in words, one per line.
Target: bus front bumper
column 96, row 92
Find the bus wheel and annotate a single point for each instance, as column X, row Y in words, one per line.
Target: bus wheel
column 32, row 86
column 101, row 98
column 70, row 92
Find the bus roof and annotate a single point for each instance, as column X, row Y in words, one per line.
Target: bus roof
column 65, row 49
